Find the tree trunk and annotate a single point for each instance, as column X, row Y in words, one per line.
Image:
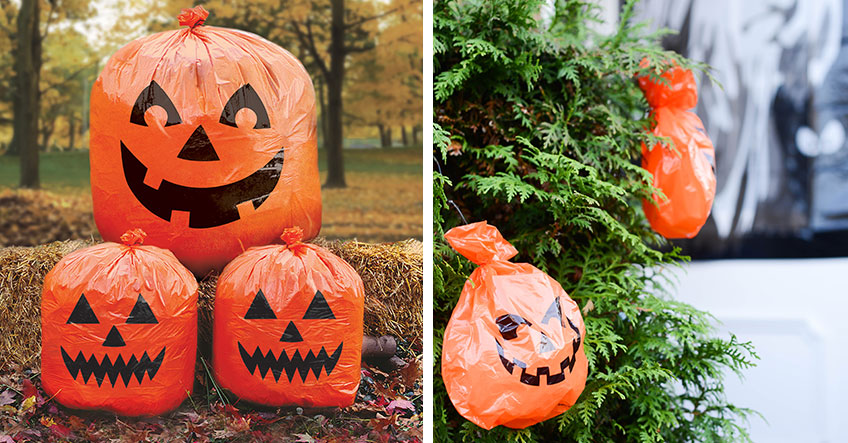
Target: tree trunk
column 71, row 132
column 386, row 139
column 46, row 133
column 322, row 102
column 335, row 159
column 404, row 136
column 415, row 131
column 27, row 68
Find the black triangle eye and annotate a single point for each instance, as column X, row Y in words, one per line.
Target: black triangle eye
column 259, row 309
column 245, row 97
column 141, row 313
column 82, row 313
column 318, row 308
column 154, row 95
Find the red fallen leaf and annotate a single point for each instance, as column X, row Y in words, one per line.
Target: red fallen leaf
column 60, row 430
column 29, row 389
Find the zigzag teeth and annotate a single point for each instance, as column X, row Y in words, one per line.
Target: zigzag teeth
column 106, row 368
column 290, row 365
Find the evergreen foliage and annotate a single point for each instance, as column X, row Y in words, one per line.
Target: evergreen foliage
column 538, row 129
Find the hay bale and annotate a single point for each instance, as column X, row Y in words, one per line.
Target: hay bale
column 392, row 274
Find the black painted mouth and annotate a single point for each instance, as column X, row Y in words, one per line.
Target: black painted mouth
column 301, row 365
column 208, row 207
column 552, row 379
column 106, row 368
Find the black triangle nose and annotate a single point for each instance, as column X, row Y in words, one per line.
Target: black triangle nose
column 198, row 147
column 114, row 339
column 291, row 335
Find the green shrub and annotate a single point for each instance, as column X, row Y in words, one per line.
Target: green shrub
column 539, row 131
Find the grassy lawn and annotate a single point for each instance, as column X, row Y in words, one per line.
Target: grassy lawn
column 57, row 170
column 382, row 203
column 70, row 169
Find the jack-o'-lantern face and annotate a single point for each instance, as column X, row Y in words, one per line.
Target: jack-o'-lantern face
column 207, row 206
column 206, row 139
column 553, row 339
column 299, row 357
column 114, row 360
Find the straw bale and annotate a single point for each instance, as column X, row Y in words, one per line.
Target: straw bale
column 392, row 274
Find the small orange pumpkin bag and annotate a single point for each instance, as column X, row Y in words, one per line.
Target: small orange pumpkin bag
column 204, row 137
column 513, row 349
column 119, row 328
column 288, row 324
column 685, row 172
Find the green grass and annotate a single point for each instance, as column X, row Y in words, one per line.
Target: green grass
column 70, row 169
column 56, row 170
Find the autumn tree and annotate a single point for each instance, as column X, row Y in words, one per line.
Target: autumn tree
column 384, row 86
column 22, row 73
column 323, row 34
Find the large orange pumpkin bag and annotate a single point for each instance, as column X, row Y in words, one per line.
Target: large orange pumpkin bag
column 119, row 329
column 205, row 138
column 288, row 325
column 685, row 172
column 513, row 349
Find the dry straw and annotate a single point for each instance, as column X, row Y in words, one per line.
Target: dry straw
column 392, row 274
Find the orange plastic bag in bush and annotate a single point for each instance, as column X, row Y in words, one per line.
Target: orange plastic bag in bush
column 119, row 329
column 205, row 138
column 685, row 173
column 288, row 326
column 513, row 350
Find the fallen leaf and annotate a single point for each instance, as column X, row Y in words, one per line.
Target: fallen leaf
column 381, row 423
column 27, row 405
column 60, row 430
column 7, row 397
column 47, row 421
column 29, row 389
column 6, row 439
column 400, row 405
column 410, row 373
column 304, row 438
column 76, row 423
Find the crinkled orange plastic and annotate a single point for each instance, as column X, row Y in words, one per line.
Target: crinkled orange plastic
column 288, row 325
column 686, row 177
column 204, row 137
column 513, row 350
column 119, row 329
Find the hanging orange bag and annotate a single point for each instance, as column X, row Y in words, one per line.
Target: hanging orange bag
column 684, row 171
column 288, row 324
column 205, row 138
column 513, row 349
column 119, row 329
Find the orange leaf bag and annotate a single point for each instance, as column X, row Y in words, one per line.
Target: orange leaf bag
column 513, row 350
column 288, row 325
column 685, row 172
column 119, row 329
column 205, row 138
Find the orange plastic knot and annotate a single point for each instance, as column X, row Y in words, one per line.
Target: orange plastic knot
column 133, row 237
column 192, row 16
column 292, row 236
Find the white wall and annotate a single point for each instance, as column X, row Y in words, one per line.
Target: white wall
column 796, row 314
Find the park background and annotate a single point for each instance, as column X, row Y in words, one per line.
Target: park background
column 373, row 145
column 368, row 88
